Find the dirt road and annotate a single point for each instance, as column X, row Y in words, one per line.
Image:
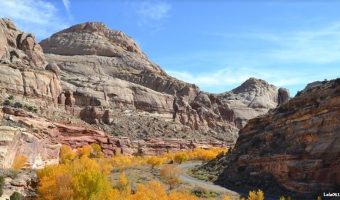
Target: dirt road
column 200, row 183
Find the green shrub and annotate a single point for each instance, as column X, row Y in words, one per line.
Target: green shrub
column 2, row 183
column 18, row 105
column 202, row 193
column 29, row 108
column 7, row 102
column 10, row 97
column 16, row 196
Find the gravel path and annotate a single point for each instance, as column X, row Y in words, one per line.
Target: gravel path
column 200, row 183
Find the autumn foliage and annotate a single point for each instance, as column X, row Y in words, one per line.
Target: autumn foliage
column 195, row 154
column 82, row 174
column 170, row 175
column 76, row 177
column 155, row 161
column 256, row 195
column 19, row 162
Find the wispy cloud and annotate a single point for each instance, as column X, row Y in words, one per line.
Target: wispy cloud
column 227, row 79
column 67, row 5
column 288, row 59
column 235, row 76
column 317, row 46
column 151, row 13
column 153, row 10
column 39, row 17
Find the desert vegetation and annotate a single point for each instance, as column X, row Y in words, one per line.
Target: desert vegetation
column 12, row 102
column 83, row 174
column 2, row 183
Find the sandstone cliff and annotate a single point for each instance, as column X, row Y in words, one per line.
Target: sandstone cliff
column 107, row 72
column 102, row 77
column 22, row 65
column 295, row 147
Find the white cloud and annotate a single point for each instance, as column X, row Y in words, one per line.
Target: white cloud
column 235, row 76
column 39, row 17
column 153, row 10
column 226, row 79
column 151, row 13
column 67, row 5
column 286, row 59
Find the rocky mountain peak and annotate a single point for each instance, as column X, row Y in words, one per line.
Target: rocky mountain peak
column 91, row 38
column 86, row 27
column 252, row 84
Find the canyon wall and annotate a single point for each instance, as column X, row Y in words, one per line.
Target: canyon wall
column 293, row 148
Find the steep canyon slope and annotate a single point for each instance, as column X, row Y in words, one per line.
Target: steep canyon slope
column 293, row 148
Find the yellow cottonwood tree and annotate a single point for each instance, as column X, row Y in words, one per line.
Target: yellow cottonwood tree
column 181, row 157
column 149, row 191
column 155, row 161
column 256, row 195
column 96, row 151
column 85, row 150
column 66, row 154
column 81, row 179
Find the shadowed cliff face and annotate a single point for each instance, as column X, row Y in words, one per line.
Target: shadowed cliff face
column 106, row 68
column 295, row 147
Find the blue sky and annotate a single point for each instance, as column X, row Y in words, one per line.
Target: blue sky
column 213, row 43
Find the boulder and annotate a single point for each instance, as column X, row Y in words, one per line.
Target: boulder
column 54, row 68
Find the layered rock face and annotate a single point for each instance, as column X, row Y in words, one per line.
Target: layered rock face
column 295, row 147
column 106, row 69
column 22, row 65
column 28, row 82
column 39, row 139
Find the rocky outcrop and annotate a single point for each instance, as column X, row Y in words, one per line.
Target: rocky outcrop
column 22, row 65
column 92, row 38
column 294, row 148
column 23, row 181
column 19, row 47
column 283, row 96
column 106, row 69
column 127, row 117
column 40, row 139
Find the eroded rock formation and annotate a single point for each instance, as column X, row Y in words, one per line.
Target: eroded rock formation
column 106, row 69
column 22, row 65
column 283, row 96
column 102, row 77
column 39, row 139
